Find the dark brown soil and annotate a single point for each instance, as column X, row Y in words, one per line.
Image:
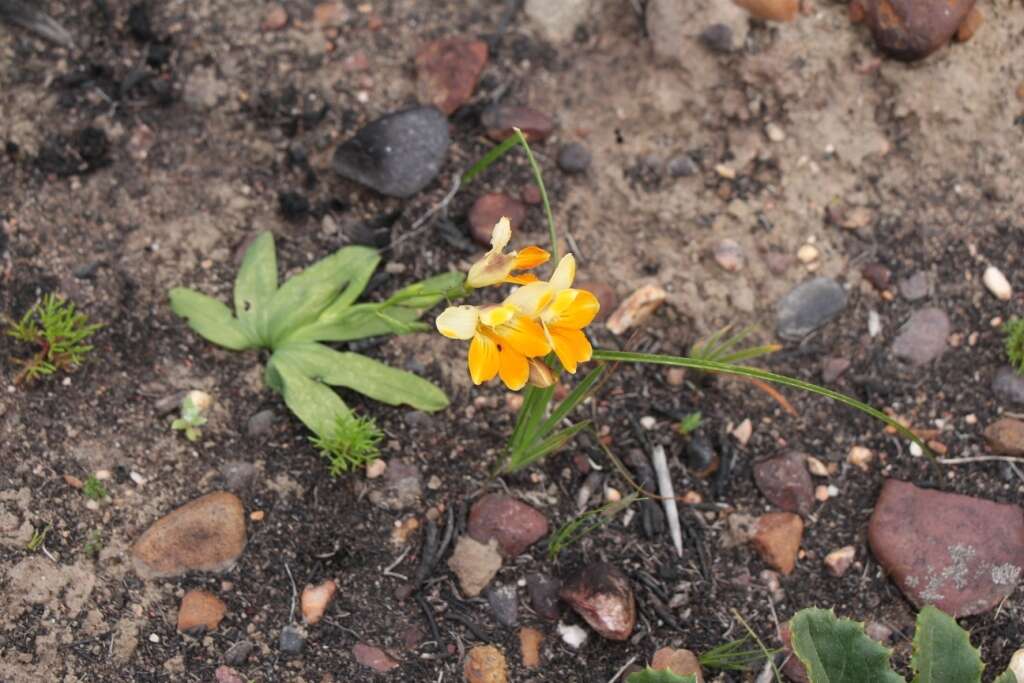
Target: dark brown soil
column 216, row 104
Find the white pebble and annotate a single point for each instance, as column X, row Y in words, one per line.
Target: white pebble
column 648, row 422
column 833, row 491
column 137, row 478
column 154, row 638
column 774, row 132
column 915, row 449
column 874, row 323
column 997, row 283
column 808, row 253
column 572, row 635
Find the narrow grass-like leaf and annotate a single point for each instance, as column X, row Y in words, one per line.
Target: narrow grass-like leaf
column 317, row 405
column 528, row 455
column 534, row 415
column 304, row 297
column 650, row 675
column 367, row 376
column 255, row 285
column 211, row 319
column 746, row 371
column 943, row 651
column 575, row 397
column 838, row 651
column 489, row 158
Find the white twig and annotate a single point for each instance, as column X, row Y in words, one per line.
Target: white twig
column 291, row 614
column 387, row 570
column 979, row 458
column 668, row 497
column 422, row 220
column 621, row 671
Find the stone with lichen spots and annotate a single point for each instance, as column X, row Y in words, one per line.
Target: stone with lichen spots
column 940, row 548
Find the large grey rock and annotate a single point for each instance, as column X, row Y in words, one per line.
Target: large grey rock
column 398, row 154
column 808, row 306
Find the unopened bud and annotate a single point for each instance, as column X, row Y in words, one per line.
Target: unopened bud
column 540, row 374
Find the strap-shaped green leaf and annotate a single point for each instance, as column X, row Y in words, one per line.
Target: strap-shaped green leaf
column 305, row 296
column 367, row 376
column 650, row 675
column 943, row 651
column 360, row 277
column 838, row 651
column 211, row 319
column 317, row 405
column 397, row 315
column 256, row 284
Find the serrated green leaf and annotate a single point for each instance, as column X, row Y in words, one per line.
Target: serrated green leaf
column 316, row 404
column 211, row 319
column 650, row 675
column 305, row 296
column 837, row 650
column 367, row 376
column 1006, row 677
column 256, row 284
column 943, row 651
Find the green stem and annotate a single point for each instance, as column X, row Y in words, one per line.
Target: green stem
column 543, row 194
column 745, row 371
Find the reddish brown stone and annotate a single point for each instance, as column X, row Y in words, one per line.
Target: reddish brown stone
column 447, row 71
column 785, row 482
column 374, row 657
column 513, row 524
column 964, row 555
column 530, row 195
column 913, row 29
column 601, row 594
column 275, row 19
column 200, row 610
column 777, row 539
column 499, row 121
column 970, row 25
column 1006, row 437
column 488, row 209
column 855, row 11
column 771, row 10
column 680, row 662
column 878, row 275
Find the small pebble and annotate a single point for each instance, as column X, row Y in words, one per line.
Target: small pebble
column 574, row 158
column 774, row 132
column 154, row 638
column 916, row 450
column 572, row 635
column 808, row 253
column 681, row 166
column 821, row 493
column 729, row 255
column 860, row 457
column 315, row 600
column 838, row 561
column 648, row 422
column 376, row 469
column 816, row 467
column 997, row 283
column 292, row 639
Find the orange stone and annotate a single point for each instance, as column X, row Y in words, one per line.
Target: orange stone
column 777, row 539
column 771, row 10
column 971, row 23
column 200, row 609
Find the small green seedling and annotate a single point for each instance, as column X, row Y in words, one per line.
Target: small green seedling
column 834, row 649
column 38, row 538
column 689, row 423
column 296, row 321
column 93, row 544
column 720, row 348
column 93, row 489
column 583, row 525
column 1014, row 342
column 736, row 655
column 650, row 675
column 58, row 332
column 193, row 408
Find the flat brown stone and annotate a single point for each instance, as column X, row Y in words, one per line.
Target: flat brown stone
column 501, row 120
column 200, row 610
column 601, row 594
column 485, row 664
column 962, row 554
column 777, row 539
column 206, row 534
column 785, row 482
column 1006, row 436
column 513, row 524
column 447, row 71
column 913, row 29
column 489, row 209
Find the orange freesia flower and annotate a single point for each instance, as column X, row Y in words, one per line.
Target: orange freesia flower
column 501, row 341
column 562, row 311
column 496, row 267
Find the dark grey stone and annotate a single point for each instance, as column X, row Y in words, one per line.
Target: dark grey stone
column 681, row 166
column 239, row 476
column 543, row 591
column 238, row 653
column 574, row 158
column 915, row 287
column 1008, row 386
column 808, row 306
column 504, row 602
column 292, row 639
column 717, row 38
column 260, row 423
column 398, row 154
column 922, row 338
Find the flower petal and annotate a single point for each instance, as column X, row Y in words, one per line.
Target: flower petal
column 571, row 308
column 571, row 347
column 458, row 322
column 501, row 234
column 530, row 257
column 492, row 269
column 525, row 335
column 521, row 279
column 483, row 359
column 530, row 299
column 514, row 369
column 492, row 316
column 564, row 274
